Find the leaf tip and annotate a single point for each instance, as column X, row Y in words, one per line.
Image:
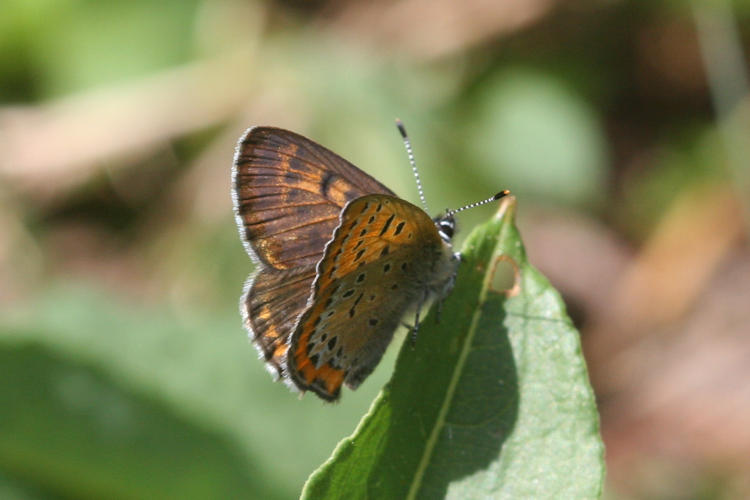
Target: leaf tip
column 507, row 206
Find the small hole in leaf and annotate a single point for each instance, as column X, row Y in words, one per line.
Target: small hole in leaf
column 506, row 276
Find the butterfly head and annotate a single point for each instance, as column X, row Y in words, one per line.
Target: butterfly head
column 446, row 226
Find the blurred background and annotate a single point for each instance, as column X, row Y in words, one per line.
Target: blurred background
column 621, row 126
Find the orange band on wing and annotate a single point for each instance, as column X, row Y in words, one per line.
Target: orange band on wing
column 331, row 377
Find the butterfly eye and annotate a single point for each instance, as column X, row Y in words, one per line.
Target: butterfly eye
column 446, row 226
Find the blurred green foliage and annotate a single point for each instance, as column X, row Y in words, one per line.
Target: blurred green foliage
column 53, row 47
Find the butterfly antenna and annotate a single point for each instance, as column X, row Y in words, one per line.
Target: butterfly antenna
column 410, row 153
column 499, row 195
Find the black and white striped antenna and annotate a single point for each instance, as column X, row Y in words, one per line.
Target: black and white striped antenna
column 501, row 194
column 448, row 213
column 410, row 153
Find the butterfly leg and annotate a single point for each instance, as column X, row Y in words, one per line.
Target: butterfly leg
column 414, row 330
column 412, row 333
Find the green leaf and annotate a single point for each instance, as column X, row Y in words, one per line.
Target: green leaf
column 70, row 430
column 494, row 401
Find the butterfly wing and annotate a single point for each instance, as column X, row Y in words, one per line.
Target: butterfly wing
column 270, row 305
column 373, row 269
column 288, row 192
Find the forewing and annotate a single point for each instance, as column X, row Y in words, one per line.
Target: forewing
column 288, row 193
column 371, row 272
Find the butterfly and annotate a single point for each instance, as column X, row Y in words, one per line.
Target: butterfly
column 339, row 259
